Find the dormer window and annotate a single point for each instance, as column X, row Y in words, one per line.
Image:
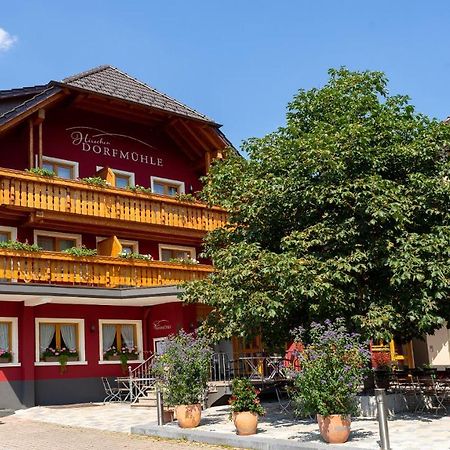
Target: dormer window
column 165, row 186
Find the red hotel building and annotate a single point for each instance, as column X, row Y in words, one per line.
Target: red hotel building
column 104, row 124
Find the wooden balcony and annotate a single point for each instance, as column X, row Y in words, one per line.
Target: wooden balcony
column 52, row 200
column 98, row 271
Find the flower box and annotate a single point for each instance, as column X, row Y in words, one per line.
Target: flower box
column 5, row 359
column 56, row 358
column 117, row 357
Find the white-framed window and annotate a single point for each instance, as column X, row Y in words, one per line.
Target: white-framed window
column 54, row 241
column 123, row 179
column 9, row 343
column 159, row 345
column 8, row 234
column 63, row 168
column 117, row 334
column 127, row 245
column 55, row 336
column 168, row 252
column 166, row 186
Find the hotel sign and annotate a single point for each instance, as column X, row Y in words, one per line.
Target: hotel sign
column 113, row 145
column 163, row 324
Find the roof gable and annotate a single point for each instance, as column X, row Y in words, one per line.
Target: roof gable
column 108, row 80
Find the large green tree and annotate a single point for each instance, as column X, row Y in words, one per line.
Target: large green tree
column 342, row 212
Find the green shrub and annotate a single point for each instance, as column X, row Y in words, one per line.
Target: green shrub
column 185, row 197
column 183, row 261
column 41, row 172
column 16, row 245
column 140, row 189
column 95, row 181
column 80, row 251
column 134, row 255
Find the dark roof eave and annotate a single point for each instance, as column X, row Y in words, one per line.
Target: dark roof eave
column 101, row 94
column 25, row 106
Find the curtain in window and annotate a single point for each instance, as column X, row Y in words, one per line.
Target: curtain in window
column 109, row 333
column 128, row 335
column 68, row 333
column 46, row 334
column 4, row 336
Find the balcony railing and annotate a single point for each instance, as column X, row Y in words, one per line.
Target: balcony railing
column 25, row 190
column 99, row 271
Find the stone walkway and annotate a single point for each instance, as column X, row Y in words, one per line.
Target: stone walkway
column 109, row 417
column 407, row 432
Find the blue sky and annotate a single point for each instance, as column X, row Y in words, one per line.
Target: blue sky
column 238, row 61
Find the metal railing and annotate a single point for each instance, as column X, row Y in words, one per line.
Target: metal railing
column 141, row 379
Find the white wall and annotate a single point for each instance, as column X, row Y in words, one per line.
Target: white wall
column 439, row 348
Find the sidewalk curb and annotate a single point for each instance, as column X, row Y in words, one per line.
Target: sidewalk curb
column 216, row 438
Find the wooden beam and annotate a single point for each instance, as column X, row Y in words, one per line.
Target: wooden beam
column 40, row 116
column 181, row 143
column 212, row 137
column 192, row 135
column 207, row 160
column 130, row 230
column 30, row 145
column 40, row 150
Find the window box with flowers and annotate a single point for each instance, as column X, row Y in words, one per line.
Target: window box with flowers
column 62, row 356
column 123, row 354
column 5, row 356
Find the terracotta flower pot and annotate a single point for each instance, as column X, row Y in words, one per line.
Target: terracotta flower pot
column 188, row 416
column 334, row 429
column 246, row 422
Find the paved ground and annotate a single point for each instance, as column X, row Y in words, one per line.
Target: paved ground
column 408, row 432
column 21, row 434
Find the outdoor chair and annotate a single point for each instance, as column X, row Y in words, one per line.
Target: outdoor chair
column 433, row 395
column 113, row 394
column 284, row 398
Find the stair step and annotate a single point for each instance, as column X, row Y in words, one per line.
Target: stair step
column 140, row 405
column 146, row 401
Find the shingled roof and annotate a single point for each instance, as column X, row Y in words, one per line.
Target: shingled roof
column 108, row 80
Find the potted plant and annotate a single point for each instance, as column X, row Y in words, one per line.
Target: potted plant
column 5, row 356
column 245, row 406
column 183, row 371
column 333, row 366
column 62, row 355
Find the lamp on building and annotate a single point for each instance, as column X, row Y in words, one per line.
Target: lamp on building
column 92, row 327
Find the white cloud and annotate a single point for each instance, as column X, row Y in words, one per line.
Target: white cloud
column 6, row 40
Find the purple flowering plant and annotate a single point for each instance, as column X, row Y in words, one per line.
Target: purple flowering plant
column 333, row 366
column 183, row 369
